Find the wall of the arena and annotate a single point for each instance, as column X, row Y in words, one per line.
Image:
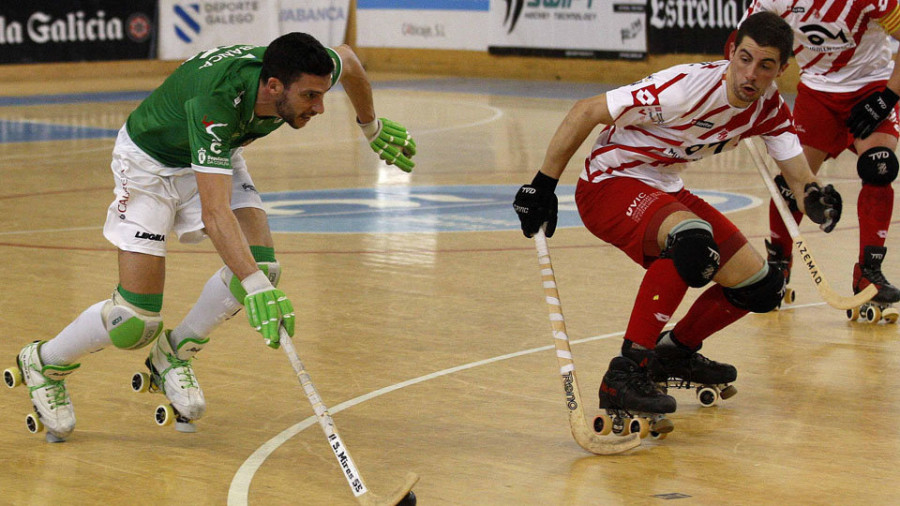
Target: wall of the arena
column 521, row 39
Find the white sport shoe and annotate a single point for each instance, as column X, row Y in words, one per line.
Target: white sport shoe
column 175, row 376
column 47, row 389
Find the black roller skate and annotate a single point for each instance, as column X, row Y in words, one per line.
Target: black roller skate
column 778, row 259
column 869, row 273
column 678, row 366
column 632, row 401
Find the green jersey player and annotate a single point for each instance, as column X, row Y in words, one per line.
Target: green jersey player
column 179, row 168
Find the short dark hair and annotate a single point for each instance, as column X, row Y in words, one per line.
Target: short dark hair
column 768, row 30
column 293, row 54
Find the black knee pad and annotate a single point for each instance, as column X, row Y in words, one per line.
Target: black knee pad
column 695, row 255
column 760, row 297
column 877, row 166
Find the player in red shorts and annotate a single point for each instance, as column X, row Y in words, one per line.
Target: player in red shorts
column 846, row 99
column 631, row 195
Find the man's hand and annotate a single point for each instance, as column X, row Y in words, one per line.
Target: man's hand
column 870, row 112
column 536, row 204
column 391, row 141
column 823, row 205
column 267, row 308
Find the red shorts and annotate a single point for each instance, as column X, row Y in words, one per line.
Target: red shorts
column 627, row 213
column 820, row 117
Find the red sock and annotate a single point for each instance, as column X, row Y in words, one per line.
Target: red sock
column 710, row 313
column 875, row 206
column 778, row 230
column 662, row 289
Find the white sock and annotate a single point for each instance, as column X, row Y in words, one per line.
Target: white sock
column 86, row 334
column 215, row 305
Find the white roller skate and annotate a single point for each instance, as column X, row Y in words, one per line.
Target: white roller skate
column 47, row 389
column 171, row 373
column 881, row 307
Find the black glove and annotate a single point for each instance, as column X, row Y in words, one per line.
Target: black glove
column 868, row 114
column 536, row 204
column 823, row 205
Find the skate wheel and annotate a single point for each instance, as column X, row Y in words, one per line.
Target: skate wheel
column 33, row 423
column 140, row 382
column 789, row 296
column 873, row 314
column 662, row 426
column 12, row 377
column 53, row 438
column 853, row 314
column 707, row 396
column 727, row 392
column 602, row 425
column 658, row 435
column 890, row 315
column 164, row 415
column 637, row 426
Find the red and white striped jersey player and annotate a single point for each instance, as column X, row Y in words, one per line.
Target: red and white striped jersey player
column 630, row 194
column 846, row 99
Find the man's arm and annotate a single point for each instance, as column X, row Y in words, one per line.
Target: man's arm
column 267, row 307
column 580, row 121
column 389, row 139
column 221, row 224
column 356, row 84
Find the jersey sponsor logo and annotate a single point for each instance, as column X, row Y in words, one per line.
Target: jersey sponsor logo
column 822, row 39
column 703, row 123
column 429, row 209
column 646, row 96
column 215, row 147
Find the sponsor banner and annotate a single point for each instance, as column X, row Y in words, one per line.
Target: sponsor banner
column 77, row 30
column 570, row 28
column 326, row 20
column 698, row 26
column 423, row 24
column 187, row 27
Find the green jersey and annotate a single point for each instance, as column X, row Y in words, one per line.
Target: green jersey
column 204, row 109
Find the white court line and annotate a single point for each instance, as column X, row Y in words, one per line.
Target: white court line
column 239, row 490
column 48, row 230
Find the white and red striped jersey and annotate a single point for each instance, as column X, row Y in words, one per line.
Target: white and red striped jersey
column 840, row 45
column 679, row 115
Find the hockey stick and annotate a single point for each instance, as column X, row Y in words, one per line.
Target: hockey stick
column 584, row 435
column 362, row 493
column 828, row 295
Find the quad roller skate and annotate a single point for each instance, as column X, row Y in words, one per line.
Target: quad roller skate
column 678, row 366
column 46, row 386
column 173, row 375
column 869, row 273
column 632, row 402
column 778, row 259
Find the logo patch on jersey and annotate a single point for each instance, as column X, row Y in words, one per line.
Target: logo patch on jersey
column 646, row 96
column 703, row 123
column 210, row 125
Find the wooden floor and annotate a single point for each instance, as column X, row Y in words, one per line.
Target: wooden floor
column 433, row 349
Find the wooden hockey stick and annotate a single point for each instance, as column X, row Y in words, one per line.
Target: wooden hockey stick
column 357, row 485
column 828, row 295
column 584, row 435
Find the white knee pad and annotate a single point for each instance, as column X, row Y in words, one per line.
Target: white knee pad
column 129, row 327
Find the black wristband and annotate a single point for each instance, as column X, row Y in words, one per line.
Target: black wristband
column 542, row 181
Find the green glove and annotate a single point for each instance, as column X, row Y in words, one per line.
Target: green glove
column 267, row 308
column 392, row 142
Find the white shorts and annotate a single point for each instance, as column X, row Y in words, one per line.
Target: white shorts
column 148, row 206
